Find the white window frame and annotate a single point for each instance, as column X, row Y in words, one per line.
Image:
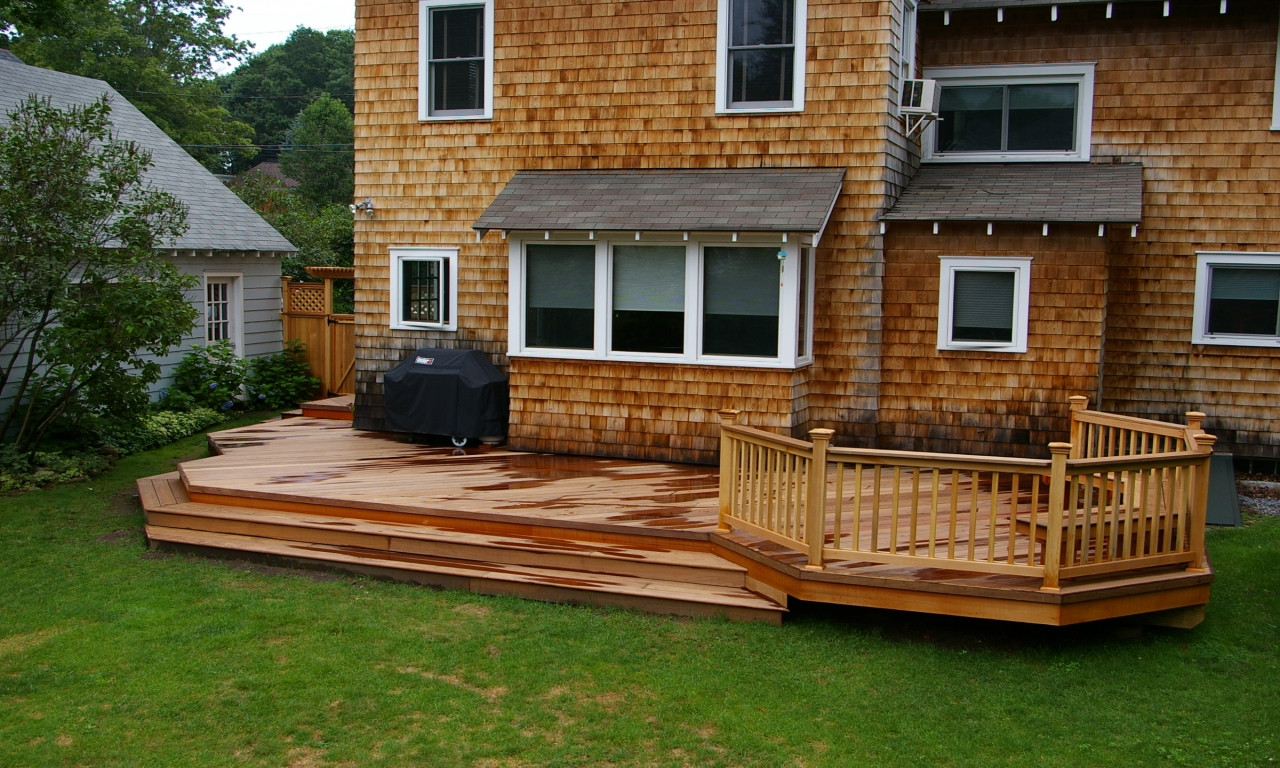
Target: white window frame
column 1020, row 266
column 906, row 63
column 1275, row 96
column 235, row 306
column 424, row 50
column 399, row 255
column 1079, row 73
column 797, row 69
column 1205, row 262
column 790, row 283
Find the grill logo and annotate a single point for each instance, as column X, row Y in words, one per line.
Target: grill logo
column 425, row 360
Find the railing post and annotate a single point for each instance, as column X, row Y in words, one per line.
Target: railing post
column 1200, row 510
column 1078, row 404
column 1194, row 430
column 1056, row 513
column 815, row 505
column 728, row 470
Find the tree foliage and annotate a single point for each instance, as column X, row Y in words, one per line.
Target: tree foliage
column 270, row 89
column 158, row 53
column 323, row 235
column 87, row 295
column 319, row 152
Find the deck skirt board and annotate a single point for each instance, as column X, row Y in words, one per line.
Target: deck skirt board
column 574, row 529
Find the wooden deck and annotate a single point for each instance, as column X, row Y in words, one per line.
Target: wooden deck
column 572, row 529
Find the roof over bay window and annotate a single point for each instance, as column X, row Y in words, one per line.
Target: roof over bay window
column 777, row 200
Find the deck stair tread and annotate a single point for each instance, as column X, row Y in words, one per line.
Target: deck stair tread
column 501, row 578
column 625, row 575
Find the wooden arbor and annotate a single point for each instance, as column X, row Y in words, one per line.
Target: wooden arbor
column 308, row 316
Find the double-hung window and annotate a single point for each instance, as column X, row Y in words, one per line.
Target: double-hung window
column 455, row 59
column 906, row 61
column 688, row 302
column 424, row 288
column 760, row 55
column 1012, row 113
column 983, row 303
column 1237, row 299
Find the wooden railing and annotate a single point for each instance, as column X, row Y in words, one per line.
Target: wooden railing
column 1131, row 496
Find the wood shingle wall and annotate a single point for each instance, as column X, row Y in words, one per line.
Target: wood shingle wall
column 1190, row 97
column 583, row 84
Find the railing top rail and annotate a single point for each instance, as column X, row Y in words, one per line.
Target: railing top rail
column 1121, row 463
column 939, row 460
column 762, row 436
column 1131, row 422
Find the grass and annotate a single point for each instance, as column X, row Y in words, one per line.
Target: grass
column 114, row 656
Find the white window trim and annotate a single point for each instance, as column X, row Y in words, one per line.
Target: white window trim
column 1080, row 73
column 788, row 305
column 235, row 297
column 1020, row 266
column 424, row 43
column 797, row 69
column 399, row 255
column 906, row 62
column 1275, row 97
column 1205, row 261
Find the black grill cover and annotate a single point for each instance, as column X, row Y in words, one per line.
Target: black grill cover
column 453, row 392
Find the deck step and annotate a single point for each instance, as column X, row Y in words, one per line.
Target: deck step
column 166, row 502
column 643, row 575
column 549, row 584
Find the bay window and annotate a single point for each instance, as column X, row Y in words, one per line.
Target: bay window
column 714, row 303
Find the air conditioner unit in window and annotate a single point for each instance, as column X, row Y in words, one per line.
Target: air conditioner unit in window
column 920, row 97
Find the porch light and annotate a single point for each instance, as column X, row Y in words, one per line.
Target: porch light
column 365, row 205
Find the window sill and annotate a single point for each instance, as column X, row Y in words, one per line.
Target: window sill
column 1238, row 341
column 710, row 361
column 726, row 111
column 403, row 326
column 1007, row 157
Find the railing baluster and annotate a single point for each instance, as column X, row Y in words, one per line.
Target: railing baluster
column 893, row 509
column 933, row 514
column 991, row 517
column 1014, row 488
column 915, row 510
column 954, row 514
column 875, row 510
column 856, row 539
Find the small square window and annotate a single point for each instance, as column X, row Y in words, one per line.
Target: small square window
column 983, row 304
column 1237, row 299
column 424, row 286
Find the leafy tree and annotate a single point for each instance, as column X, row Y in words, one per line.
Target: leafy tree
column 158, row 53
column 87, row 294
column 323, row 234
column 319, row 152
column 270, row 89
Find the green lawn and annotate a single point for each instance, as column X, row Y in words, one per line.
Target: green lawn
column 114, row 656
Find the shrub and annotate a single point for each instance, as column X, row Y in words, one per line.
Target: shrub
column 209, row 377
column 157, row 429
column 282, row 380
column 28, row 471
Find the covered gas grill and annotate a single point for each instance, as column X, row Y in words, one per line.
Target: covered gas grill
column 456, row 393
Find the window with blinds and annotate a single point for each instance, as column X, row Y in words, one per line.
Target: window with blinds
column 559, row 296
column 707, row 303
column 648, row 299
column 1237, row 299
column 984, row 303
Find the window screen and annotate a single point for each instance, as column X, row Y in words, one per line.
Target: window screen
column 982, row 306
column 761, row 52
column 456, row 60
column 560, row 296
column 740, row 301
column 648, row 298
column 1244, row 301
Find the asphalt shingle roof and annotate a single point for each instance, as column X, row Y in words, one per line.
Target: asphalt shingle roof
column 216, row 219
column 1042, row 192
column 723, row 200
